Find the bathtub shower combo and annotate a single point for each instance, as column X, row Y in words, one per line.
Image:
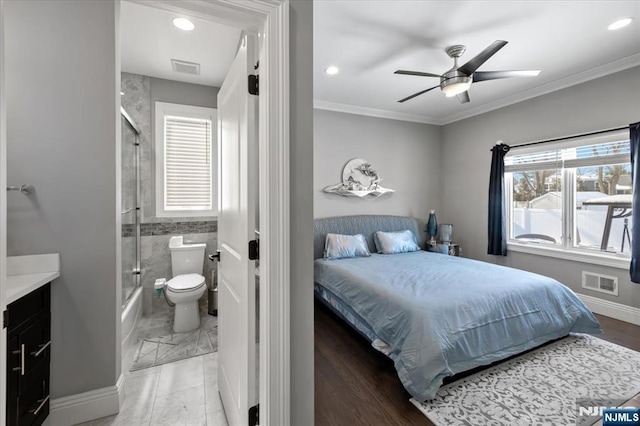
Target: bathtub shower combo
column 187, row 285
column 130, row 218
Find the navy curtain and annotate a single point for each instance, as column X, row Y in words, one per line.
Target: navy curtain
column 497, row 227
column 634, row 139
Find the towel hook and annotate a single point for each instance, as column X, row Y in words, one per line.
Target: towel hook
column 26, row 189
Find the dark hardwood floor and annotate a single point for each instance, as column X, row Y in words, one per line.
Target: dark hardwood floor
column 357, row 385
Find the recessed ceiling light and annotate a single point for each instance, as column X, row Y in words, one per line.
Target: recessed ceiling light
column 121, row 93
column 620, row 23
column 184, row 24
column 332, row 70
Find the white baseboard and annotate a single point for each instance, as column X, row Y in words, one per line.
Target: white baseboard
column 612, row 309
column 86, row 406
column 121, row 391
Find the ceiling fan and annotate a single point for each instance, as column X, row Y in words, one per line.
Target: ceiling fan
column 457, row 80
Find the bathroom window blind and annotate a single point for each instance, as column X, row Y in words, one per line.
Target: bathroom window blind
column 188, row 168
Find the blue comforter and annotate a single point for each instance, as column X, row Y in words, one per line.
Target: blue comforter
column 442, row 315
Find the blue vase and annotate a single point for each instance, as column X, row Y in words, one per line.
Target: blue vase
column 432, row 227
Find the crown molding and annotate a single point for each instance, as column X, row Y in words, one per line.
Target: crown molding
column 373, row 112
column 563, row 83
column 572, row 80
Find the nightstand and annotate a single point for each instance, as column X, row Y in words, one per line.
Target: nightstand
column 452, row 249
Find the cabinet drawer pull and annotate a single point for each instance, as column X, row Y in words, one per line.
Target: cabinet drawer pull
column 21, row 368
column 42, row 348
column 42, row 402
column 22, row 363
column 18, row 352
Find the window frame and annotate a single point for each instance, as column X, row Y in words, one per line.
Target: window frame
column 565, row 249
column 163, row 109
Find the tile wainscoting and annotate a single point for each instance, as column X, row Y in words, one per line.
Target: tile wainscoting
column 128, row 230
column 155, row 257
column 178, row 228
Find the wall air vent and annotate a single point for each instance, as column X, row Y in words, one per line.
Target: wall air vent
column 599, row 282
column 185, row 67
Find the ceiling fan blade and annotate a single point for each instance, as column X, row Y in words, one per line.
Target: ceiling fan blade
column 418, row 73
column 475, row 62
column 417, row 94
column 494, row 75
column 463, row 97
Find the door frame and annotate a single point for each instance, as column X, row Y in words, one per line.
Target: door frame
column 3, row 220
column 269, row 20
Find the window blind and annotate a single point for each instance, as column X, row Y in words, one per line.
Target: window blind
column 600, row 154
column 187, row 163
column 543, row 160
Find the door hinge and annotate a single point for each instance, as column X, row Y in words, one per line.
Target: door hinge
column 254, row 415
column 5, row 319
column 253, row 84
column 254, row 249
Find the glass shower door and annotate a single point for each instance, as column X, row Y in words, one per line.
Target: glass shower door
column 129, row 213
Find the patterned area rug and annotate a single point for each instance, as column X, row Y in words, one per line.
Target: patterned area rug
column 542, row 387
column 176, row 346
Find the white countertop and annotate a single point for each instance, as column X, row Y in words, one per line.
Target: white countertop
column 28, row 273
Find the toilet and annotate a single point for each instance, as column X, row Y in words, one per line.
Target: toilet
column 187, row 285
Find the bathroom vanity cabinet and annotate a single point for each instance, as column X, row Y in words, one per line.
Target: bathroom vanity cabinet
column 28, row 359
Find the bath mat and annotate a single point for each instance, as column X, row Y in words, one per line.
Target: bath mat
column 154, row 351
column 546, row 386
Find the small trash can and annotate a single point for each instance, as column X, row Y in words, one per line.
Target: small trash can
column 213, row 301
column 213, row 291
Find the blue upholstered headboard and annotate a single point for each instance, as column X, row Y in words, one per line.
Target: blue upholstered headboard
column 366, row 225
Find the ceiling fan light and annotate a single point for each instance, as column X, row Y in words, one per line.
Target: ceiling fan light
column 456, row 88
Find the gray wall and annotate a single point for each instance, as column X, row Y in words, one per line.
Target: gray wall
column 183, row 93
column 61, row 123
column 301, row 199
column 405, row 154
column 607, row 102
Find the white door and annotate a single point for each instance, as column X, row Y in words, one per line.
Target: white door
column 236, row 227
column 3, row 220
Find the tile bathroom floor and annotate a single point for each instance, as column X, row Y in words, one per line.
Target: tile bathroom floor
column 179, row 393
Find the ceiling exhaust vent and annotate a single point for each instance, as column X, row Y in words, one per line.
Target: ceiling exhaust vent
column 185, row 67
column 599, row 282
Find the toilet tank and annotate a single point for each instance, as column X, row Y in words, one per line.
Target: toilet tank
column 186, row 258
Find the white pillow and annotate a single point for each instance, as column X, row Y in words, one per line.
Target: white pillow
column 395, row 242
column 337, row 246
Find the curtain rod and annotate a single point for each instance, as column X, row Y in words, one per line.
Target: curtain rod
column 597, row 132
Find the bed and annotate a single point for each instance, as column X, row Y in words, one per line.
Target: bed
column 436, row 315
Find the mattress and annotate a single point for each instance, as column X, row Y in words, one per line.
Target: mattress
column 343, row 311
column 441, row 315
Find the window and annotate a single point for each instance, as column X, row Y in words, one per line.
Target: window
column 574, row 195
column 185, row 159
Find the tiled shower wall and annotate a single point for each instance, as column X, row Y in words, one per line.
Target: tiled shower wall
column 155, row 257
